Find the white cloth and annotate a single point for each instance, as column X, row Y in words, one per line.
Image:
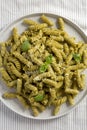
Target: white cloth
column 76, row 10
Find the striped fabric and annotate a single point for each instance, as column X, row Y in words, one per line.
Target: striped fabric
column 76, row 10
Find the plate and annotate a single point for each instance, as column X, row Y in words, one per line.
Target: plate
column 72, row 29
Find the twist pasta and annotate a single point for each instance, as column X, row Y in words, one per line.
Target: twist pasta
column 38, row 26
column 16, row 62
column 69, row 40
column 70, row 99
column 9, row 71
column 35, row 111
column 29, row 22
column 8, row 95
column 56, row 110
column 19, row 86
column 12, row 84
column 46, row 20
column 3, row 49
column 5, row 75
column 14, row 70
column 21, row 58
column 61, row 23
column 60, row 101
column 39, row 106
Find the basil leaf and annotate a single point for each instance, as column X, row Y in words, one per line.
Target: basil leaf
column 77, row 57
column 43, row 68
column 49, row 59
column 25, row 46
column 39, row 97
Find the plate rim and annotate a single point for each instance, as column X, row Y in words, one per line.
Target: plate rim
column 76, row 27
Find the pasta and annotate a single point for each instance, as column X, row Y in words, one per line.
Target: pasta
column 46, row 20
column 61, row 23
column 44, row 65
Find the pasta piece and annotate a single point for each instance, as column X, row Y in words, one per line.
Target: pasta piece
column 70, row 99
column 63, row 54
column 25, row 77
column 15, row 35
column 41, row 76
column 66, row 49
column 37, row 37
column 14, row 70
column 8, row 95
column 32, row 88
column 59, row 78
column 80, row 80
column 61, row 23
column 52, row 43
column 5, row 58
column 57, row 38
column 35, row 111
column 12, row 84
column 19, row 86
column 45, row 100
column 39, row 106
column 76, row 67
column 29, row 22
column 3, row 49
column 67, row 81
column 38, row 26
column 52, row 74
column 5, row 75
column 16, row 39
column 52, row 83
column 16, row 62
column 69, row 40
column 58, row 54
column 9, row 71
column 81, row 49
column 56, row 110
column 56, row 67
column 83, row 81
column 71, row 91
column 46, row 20
column 22, row 59
column 60, row 101
column 85, row 57
column 69, row 58
column 53, row 94
column 52, row 31
column 37, row 61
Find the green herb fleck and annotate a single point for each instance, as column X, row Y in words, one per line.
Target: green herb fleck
column 25, row 46
column 49, row 59
column 39, row 97
column 77, row 57
column 43, row 67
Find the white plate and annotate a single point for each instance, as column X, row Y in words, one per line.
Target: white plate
column 72, row 29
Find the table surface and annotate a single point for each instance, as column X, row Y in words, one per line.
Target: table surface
column 76, row 10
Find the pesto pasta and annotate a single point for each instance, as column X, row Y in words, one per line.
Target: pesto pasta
column 44, row 65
